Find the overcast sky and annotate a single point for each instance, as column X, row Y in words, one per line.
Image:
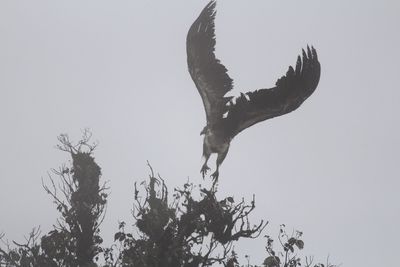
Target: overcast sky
column 330, row 169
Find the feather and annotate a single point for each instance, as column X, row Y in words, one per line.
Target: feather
column 208, row 74
column 289, row 93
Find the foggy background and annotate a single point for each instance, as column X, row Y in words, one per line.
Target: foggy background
column 329, row 169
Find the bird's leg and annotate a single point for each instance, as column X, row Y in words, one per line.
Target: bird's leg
column 206, row 155
column 220, row 159
column 205, row 168
column 215, row 174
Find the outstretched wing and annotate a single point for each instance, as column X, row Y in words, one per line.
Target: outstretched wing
column 209, row 75
column 289, row 93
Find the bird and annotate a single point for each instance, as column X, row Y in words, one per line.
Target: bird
column 227, row 116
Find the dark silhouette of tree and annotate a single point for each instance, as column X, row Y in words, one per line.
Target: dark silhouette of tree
column 24, row 254
column 83, row 206
column 75, row 239
column 175, row 233
column 195, row 232
column 191, row 227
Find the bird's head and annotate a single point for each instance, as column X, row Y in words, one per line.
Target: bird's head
column 204, row 130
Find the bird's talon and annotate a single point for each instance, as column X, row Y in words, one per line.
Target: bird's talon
column 215, row 175
column 204, row 170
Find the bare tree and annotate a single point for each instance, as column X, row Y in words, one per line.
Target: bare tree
column 81, row 200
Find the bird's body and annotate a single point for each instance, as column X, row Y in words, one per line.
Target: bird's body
column 227, row 118
column 215, row 141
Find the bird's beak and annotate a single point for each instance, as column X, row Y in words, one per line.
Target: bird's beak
column 203, row 131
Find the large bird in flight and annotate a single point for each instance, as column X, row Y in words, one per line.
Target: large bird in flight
column 225, row 117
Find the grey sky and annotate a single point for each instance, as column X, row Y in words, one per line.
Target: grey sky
column 329, row 169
